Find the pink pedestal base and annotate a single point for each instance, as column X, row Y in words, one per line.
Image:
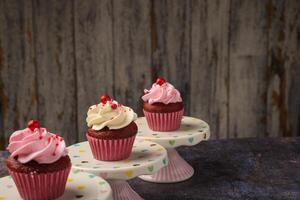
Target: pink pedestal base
column 177, row 170
column 122, row 190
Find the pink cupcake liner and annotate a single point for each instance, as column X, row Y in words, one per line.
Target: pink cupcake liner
column 164, row 121
column 43, row 186
column 111, row 150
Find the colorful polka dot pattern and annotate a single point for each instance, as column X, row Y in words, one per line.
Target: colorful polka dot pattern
column 146, row 158
column 191, row 132
column 79, row 185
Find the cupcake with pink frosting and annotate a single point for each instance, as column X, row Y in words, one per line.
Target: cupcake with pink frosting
column 39, row 163
column 163, row 107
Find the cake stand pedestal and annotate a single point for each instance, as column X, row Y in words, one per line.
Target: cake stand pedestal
column 191, row 132
column 146, row 158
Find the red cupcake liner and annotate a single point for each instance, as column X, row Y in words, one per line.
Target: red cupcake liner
column 111, row 150
column 43, row 186
column 164, row 121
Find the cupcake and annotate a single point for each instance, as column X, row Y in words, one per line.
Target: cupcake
column 38, row 164
column 163, row 107
column 112, row 130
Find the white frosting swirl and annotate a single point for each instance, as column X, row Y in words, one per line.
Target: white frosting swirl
column 102, row 115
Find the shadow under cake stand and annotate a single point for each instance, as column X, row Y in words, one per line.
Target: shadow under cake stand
column 79, row 186
column 146, row 158
column 191, row 132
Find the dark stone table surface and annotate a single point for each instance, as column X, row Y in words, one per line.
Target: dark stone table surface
column 233, row 169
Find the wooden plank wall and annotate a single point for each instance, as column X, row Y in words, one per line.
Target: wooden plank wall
column 236, row 62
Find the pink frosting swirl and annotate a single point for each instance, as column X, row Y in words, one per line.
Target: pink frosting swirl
column 165, row 93
column 39, row 145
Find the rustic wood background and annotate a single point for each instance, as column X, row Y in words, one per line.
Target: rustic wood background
column 236, row 62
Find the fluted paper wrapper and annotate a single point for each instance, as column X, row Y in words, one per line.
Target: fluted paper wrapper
column 112, row 149
column 44, row 186
column 164, row 121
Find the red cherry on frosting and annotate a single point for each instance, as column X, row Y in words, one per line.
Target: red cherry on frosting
column 33, row 124
column 160, row 81
column 114, row 106
column 104, row 99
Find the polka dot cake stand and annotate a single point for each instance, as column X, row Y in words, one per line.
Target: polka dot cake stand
column 146, row 158
column 79, row 186
column 191, row 132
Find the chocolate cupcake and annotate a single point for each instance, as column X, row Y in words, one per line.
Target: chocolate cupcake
column 112, row 130
column 163, row 107
column 38, row 161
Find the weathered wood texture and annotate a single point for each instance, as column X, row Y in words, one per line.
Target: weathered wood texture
column 209, row 64
column 93, row 21
column 55, row 62
column 283, row 68
column 232, row 169
column 236, row 62
column 18, row 83
column 132, row 50
column 248, row 57
column 172, row 44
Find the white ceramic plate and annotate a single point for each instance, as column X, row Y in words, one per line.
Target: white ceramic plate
column 191, row 132
column 79, row 186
